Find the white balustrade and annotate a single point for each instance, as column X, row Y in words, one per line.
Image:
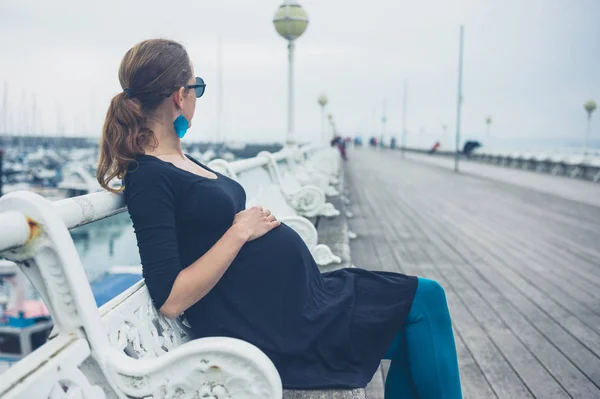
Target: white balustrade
column 573, row 162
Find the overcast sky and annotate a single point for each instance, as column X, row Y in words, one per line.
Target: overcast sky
column 530, row 64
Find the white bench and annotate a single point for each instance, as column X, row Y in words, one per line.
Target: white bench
column 262, row 189
column 126, row 348
column 261, row 178
column 308, row 196
column 299, row 172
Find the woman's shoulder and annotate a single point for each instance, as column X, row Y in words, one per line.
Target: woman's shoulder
column 150, row 172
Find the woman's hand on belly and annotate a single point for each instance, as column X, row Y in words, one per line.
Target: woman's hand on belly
column 256, row 222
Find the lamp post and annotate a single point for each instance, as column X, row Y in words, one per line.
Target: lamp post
column 459, row 97
column 290, row 22
column 404, row 99
column 332, row 123
column 323, row 100
column 488, row 122
column 590, row 107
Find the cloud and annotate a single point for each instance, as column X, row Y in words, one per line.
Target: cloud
column 530, row 65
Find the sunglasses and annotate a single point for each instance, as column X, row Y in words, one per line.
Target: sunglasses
column 199, row 87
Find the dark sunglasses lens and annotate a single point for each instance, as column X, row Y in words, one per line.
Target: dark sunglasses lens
column 200, row 86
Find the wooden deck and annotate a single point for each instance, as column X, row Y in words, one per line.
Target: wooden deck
column 520, row 265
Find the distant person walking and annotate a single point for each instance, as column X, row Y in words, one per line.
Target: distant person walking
column 435, row 147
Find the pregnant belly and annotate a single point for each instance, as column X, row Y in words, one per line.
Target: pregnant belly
column 280, row 246
column 266, row 289
column 278, row 260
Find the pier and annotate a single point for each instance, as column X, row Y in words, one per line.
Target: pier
column 517, row 253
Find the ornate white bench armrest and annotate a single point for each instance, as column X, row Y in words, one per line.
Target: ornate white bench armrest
column 211, row 368
column 322, row 253
column 308, row 200
column 152, row 355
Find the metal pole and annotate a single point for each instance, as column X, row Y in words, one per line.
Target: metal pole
column 322, row 124
column 587, row 134
column 5, row 109
column 404, row 99
column 1, row 170
column 383, row 121
column 290, row 133
column 459, row 99
column 219, row 88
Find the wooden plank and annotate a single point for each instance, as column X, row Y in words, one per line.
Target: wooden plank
column 499, row 372
column 556, row 309
column 584, row 316
column 493, row 246
column 566, row 373
column 589, row 319
column 581, row 352
column 473, row 380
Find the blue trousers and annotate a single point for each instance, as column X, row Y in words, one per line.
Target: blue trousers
column 423, row 355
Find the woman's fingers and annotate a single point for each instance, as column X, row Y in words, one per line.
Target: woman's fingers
column 266, row 212
column 271, row 218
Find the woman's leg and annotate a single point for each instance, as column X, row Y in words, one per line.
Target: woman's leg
column 430, row 347
column 398, row 383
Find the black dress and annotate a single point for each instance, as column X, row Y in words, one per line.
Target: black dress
column 321, row 330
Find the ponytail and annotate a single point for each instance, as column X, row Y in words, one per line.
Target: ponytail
column 124, row 135
column 150, row 71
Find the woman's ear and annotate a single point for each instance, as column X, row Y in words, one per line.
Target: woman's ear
column 178, row 98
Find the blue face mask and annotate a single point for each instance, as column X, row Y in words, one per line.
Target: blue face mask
column 181, row 125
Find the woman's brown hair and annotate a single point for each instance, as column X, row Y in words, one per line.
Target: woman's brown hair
column 150, row 71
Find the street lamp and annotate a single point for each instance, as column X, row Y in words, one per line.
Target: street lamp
column 488, row 122
column 323, row 100
column 290, row 22
column 332, row 123
column 590, row 107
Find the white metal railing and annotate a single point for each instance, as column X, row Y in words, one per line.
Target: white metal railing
column 563, row 161
column 573, row 162
column 89, row 356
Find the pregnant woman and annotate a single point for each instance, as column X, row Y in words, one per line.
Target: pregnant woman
column 240, row 273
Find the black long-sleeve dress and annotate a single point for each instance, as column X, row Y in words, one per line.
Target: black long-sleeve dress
column 321, row 330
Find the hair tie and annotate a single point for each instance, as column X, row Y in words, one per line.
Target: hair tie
column 128, row 92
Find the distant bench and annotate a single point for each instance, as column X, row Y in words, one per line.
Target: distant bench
column 127, row 348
